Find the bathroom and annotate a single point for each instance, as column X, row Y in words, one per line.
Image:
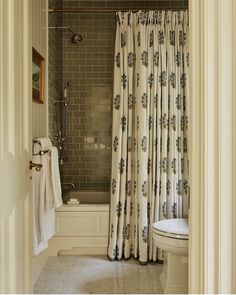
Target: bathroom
column 81, row 85
column 129, row 109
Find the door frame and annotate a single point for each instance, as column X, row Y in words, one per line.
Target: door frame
column 212, row 263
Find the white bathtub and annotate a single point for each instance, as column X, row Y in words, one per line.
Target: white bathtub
column 88, row 197
column 83, row 228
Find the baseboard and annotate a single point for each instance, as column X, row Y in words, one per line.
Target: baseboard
column 78, row 246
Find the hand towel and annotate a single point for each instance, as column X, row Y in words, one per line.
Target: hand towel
column 55, row 177
column 43, row 214
column 46, row 144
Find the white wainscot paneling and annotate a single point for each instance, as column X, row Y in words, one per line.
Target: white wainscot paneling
column 81, row 230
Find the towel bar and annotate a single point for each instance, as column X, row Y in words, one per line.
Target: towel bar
column 41, row 153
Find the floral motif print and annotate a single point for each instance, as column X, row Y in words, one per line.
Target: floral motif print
column 112, row 230
column 179, row 143
column 115, row 144
column 164, row 165
column 130, row 144
column 185, row 145
column 138, row 79
column 150, row 80
column 178, row 58
column 137, row 120
column 145, row 234
column 123, row 39
column 164, row 210
column 150, row 122
column 161, row 37
column 127, row 232
column 168, row 187
column 128, row 188
column 173, row 165
column 142, row 17
column 149, row 165
column 118, row 59
column 173, row 122
column 182, row 38
column 123, row 123
column 150, row 129
column 113, row 186
column 164, row 121
column 131, row 101
column 138, row 39
column 172, row 38
column 115, row 252
column 163, row 78
column 173, row 210
column 178, row 102
column 156, row 59
column 185, row 186
column 173, row 80
column 124, row 81
column 144, row 100
column 184, row 123
column 121, row 165
column 179, row 187
column 144, row 189
column 144, row 58
column 144, row 143
column 118, row 209
column 183, row 80
column 187, row 58
column 131, row 59
column 117, row 102
column 151, row 41
column 156, row 100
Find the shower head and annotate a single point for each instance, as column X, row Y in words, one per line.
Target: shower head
column 76, row 38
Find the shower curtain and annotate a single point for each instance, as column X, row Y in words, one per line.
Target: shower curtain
column 149, row 179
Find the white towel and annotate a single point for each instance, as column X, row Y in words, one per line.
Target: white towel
column 44, row 215
column 55, row 177
column 46, row 144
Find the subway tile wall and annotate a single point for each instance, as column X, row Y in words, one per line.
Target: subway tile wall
column 54, row 68
column 88, row 65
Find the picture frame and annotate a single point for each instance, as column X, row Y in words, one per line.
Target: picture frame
column 38, row 77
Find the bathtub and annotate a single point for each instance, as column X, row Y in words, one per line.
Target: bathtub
column 88, row 197
column 83, row 228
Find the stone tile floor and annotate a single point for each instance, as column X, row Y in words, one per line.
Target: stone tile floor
column 90, row 274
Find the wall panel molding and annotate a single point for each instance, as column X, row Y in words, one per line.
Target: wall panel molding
column 212, row 178
column 40, row 43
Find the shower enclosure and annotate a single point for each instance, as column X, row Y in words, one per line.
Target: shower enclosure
column 88, row 66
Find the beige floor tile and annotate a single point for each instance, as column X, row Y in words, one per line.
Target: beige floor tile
column 87, row 274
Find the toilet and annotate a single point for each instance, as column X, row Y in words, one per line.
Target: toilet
column 171, row 236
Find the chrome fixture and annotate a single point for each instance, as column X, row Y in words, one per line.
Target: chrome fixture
column 37, row 167
column 76, row 38
column 69, row 184
column 60, row 101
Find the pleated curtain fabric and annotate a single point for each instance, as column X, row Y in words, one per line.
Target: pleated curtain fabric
column 149, row 179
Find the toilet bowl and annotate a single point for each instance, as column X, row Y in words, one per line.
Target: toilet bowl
column 171, row 236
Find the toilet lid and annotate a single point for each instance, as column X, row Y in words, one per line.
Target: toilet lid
column 178, row 227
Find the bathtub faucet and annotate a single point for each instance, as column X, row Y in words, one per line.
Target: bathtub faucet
column 69, row 184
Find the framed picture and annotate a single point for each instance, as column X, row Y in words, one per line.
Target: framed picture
column 38, row 77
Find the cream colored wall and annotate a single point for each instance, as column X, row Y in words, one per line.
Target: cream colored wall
column 212, row 164
column 40, row 43
column 40, row 111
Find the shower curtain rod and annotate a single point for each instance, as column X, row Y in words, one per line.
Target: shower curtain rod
column 81, row 10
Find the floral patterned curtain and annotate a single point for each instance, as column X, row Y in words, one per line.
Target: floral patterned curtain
column 149, row 179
